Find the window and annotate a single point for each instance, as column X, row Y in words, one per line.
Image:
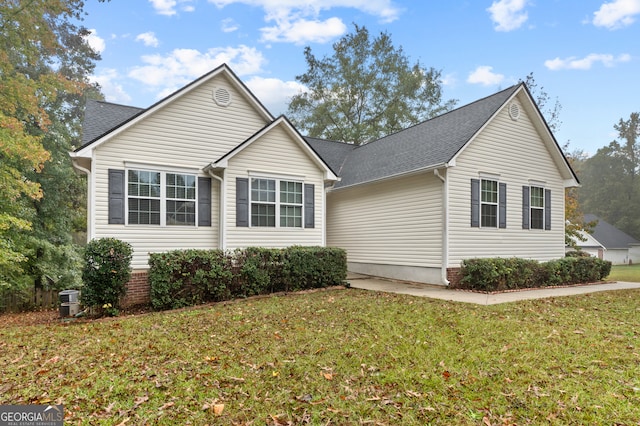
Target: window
column 489, row 203
column 181, row 199
column 537, row 207
column 160, row 198
column 291, row 204
column 144, row 197
column 263, row 202
column 270, row 206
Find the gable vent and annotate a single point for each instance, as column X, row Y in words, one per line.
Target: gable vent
column 221, row 96
column 514, row 111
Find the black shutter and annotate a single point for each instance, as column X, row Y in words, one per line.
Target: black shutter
column 502, row 205
column 475, row 203
column 525, row 207
column 204, row 201
column 242, row 202
column 309, row 206
column 547, row 209
column 116, row 197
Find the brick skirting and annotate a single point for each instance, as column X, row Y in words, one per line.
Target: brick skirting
column 454, row 277
column 138, row 290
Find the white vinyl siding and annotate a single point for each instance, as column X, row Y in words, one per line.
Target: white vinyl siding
column 394, row 222
column 278, row 157
column 514, row 151
column 188, row 133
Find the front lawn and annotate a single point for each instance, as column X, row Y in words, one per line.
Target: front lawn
column 339, row 357
column 625, row 273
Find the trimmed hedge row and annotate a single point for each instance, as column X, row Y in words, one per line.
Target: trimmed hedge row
column 189, row 277
column 497, row 274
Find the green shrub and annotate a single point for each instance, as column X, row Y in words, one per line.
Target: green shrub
column 105, row 273
column 496, row 274
column 313, row 267
column 188, row 277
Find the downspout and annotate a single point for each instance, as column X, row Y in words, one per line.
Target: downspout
column 222, row 210
column 89, row 196
column 445, row 227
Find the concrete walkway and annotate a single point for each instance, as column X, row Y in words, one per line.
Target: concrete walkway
column 439, row 292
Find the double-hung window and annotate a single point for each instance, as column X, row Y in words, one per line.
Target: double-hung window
column 537, row 207
column 275, row 201
column 161, row 198
column 489, row 203
column 144, row 197
column 181, row 199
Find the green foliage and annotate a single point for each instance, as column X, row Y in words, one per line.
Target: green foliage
column 367, row 89
column 106, row 271
column 611, row 179
column 45, row 62
column 498, row 274
column 188, row 277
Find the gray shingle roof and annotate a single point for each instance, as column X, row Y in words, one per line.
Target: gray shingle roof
column 100, row 117
column 608, row 235
column 428, row 144
column 332, row 152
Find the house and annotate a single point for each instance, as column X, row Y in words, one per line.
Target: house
column 587, row 244
column 484, row 180
column 209, row 167
column 617, row 247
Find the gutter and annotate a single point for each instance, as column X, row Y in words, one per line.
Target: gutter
column 222, row 212
column 445, row 227
column 79, row 168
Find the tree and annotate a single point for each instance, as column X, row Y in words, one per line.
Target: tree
column 611, row 188
column 44, row 64
column 550, row 111
column 365, row 90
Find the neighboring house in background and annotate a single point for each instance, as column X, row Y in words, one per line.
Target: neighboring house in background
column 619, row 247
column 209, row 167
column 588, row 244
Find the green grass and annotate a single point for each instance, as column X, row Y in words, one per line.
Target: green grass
column 625, row 273
column 339, row 357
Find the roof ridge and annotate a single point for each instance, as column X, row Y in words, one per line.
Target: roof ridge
column 512, row 87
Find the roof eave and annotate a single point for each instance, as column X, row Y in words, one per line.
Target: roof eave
column 397, row 175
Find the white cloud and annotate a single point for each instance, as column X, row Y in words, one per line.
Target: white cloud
column 148, row 38
column 616, row 14
column 274, row 93
column 181, row 66
column 508, row 15
column 299, row 21
column 96, row 42
column 229, row 25
column 573, row 63
column 304, row 31
column 484, row 75
column 168, row 7
column 110, row 88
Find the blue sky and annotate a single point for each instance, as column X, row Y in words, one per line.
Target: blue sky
column 585, row 53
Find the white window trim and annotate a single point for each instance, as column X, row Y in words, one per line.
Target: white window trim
column 492, row 178
column 531, row 207
column 163, row 194
column 277, row 203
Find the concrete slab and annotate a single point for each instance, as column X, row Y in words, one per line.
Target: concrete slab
column 444, row 293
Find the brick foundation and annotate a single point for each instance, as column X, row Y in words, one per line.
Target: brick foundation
column 454, row 277
column 138, row 290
